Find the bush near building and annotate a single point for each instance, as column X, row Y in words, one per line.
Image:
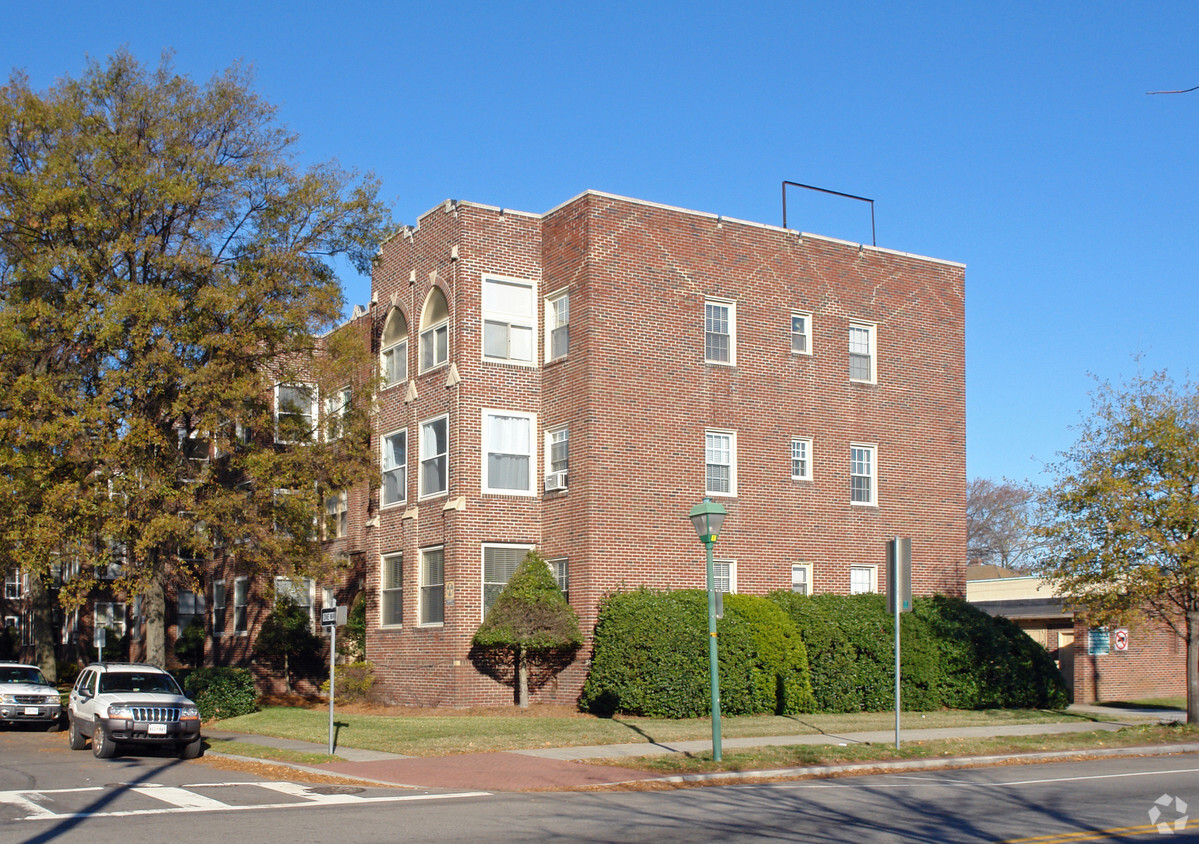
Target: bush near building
column 651, row 657
column 953, row 655
column 791, row 653
column 221, row 692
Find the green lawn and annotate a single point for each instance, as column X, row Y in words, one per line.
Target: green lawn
column 440, row 735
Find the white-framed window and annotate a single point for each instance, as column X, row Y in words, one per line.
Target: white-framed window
column 434, row 456
column 295, row 413
column 337, row 515
column 863, row 472
column 218, row 608
column 560, row 566
column 509, row 319
column 861, row 352
column 12, row 621
column 508, row 459
column 241, row 600
column 557, row 326
column 12, row 586
column 395, row 468
column 801, row 333
column 720, row 459
column 801, row 458
column 391, row 590
column 300, row 591
column 801, row 578
column 863, row 579
column 499, row 562
column 393, row 355
column 111, row 614
column 557, row 457
column 434, row 331
column 724, row 576
column 432, row 586
column 720, row 331
column 189, row 607
column 337, row 405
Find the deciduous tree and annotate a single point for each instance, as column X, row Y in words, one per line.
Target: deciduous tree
column 997, row 525
column 1121, row 518
column 165, row 263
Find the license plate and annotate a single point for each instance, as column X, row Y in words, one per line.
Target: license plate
column 31, row 710
column 158, row 729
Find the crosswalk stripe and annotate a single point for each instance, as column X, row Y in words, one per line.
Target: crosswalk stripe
column 180, row 797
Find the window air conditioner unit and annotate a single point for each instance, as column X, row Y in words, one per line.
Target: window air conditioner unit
column 555, row 482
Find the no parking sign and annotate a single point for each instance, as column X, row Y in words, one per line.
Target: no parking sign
column 1121, row 639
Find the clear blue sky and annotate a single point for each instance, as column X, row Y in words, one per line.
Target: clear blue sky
column 1014, row 137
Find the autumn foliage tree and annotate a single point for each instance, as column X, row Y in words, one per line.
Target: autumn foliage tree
column 166, row 264
column 1120, row 521
column 530, row 617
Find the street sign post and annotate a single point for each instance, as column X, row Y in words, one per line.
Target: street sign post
column 331, row 618
column 899, row 598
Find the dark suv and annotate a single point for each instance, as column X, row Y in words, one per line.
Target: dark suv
column 117, row 703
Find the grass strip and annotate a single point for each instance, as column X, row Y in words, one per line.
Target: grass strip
column 797, row 756
column 275, row 754
column 442, row 735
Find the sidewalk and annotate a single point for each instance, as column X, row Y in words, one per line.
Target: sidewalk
column 562, row 768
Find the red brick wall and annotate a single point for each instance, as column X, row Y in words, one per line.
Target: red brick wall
column 1154, row 665
column 637, row 397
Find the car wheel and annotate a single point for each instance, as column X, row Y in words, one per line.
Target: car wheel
column 75, row 739
column 103, row 747
column 192, row 749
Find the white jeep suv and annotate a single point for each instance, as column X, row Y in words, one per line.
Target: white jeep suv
column 117, row 703
column 26, row 697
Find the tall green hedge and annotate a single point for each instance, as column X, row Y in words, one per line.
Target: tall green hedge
column 791, row 653
column 651, row 657
column 221, row 692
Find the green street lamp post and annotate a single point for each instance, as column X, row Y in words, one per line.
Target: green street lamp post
column 707, row 517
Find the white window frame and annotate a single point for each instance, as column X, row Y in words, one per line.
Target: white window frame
column 110, row 615
column 220, row 603
column 871, row 474
column 311, row 416
column 427, row 362
column 337, row 405
column 12, row 586
column 805, row 472
column 732, row 461
column 557, row 325
column 393, row 352
column 804, row 570
column 391, row 595
column 485, row 603
column 302, row 590
column 196, row 601
column 558, row 436
column 725, row 570
column 802, row 337
column 241, row 611
column 869, row 330
column 730, row 307
column 388, row 465
column 530, row 452
column 337, row 515
column 872, row 574
column 431, row 591
column 510, row 320
column 560, row 566
column 424, row 456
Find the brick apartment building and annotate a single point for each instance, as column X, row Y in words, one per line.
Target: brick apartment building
column 575, row 381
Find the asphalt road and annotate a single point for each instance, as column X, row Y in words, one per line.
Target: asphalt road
column 49, row 793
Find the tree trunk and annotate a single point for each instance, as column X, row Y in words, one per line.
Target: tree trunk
column 42, row 604
column 1193, row 666
column 154, row 607
column 522, row 679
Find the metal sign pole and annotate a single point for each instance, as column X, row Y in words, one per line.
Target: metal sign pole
column 332, row 654
column 897, row 603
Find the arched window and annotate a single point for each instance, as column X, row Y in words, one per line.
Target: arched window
column 434, row 331
column 395, row 348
